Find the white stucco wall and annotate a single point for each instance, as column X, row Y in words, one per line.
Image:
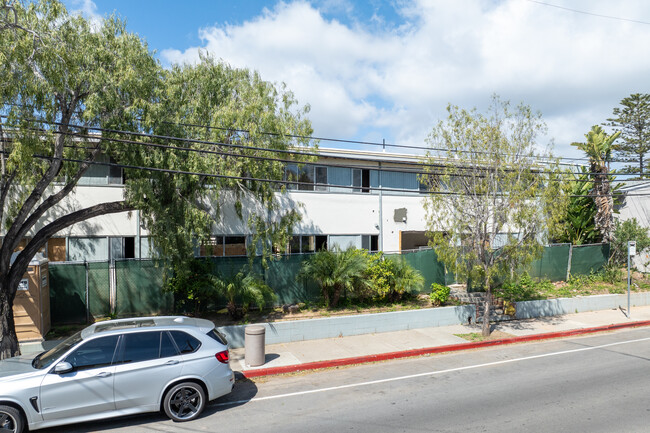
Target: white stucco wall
column 322, row 213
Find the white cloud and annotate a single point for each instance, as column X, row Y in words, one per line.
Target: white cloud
column 88, row 9
column 573, row 67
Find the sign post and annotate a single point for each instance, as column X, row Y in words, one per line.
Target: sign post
column 631, row 251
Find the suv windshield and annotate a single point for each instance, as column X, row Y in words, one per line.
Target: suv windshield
column 46, row 359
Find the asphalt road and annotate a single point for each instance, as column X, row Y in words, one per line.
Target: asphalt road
column 593, row 384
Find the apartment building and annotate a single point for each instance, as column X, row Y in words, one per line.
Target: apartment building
column 370, row 200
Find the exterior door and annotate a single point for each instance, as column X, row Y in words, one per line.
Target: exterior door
column 88, row 388
column 147, row 362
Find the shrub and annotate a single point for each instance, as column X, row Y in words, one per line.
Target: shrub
column 336, row 272
column 523, row 289
column 247, row 288
column 628, row 230
column 439, row 294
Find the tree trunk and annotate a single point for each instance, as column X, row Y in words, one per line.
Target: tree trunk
column 335, row 296
column 8, row 339
column 485, row 331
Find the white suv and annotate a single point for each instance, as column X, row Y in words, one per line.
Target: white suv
column 115, row 368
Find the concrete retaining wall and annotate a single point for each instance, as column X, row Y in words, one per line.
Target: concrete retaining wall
column 330, row 327
column 556, row 307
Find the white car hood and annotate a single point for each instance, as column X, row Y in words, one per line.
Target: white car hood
column 16, row 366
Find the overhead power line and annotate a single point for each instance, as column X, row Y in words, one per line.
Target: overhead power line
column 314, row 138
column 289, row 161
column 311, row 185
column 246, row 147
column 590, row 13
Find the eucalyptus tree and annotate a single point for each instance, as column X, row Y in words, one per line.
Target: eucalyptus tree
column 58, row 72
column 598, row 147
column 494, row 196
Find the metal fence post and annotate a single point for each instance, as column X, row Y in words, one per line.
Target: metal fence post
column 86, row 266
column 112, row 284
column 568, row 267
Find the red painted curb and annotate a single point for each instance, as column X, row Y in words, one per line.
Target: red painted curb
column 428, row 350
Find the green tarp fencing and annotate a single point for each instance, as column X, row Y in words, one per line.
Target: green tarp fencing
column 586, row 259
column 138, row 283
column 68, row 292
column 138, row 289
column 553, row 263
column 425, row 261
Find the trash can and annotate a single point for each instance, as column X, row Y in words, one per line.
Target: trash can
column 254, row 345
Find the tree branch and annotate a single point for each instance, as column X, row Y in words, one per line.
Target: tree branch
column 18, row 228
column 22, row 260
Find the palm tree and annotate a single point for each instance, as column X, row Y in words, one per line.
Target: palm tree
column 598, row 148
column 247, row 288
column 406, row 278
column 335, row 272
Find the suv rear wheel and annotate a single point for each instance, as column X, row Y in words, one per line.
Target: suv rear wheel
column 184, row 401
column 11, row 420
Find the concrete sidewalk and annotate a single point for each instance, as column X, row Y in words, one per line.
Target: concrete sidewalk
column 313, row 354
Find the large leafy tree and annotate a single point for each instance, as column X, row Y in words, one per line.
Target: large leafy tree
column 57, row 68
column 632, row 119
column 493, row 201
column 579, row 221
column 598, row 148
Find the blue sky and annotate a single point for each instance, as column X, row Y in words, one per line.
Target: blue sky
column 386, row 69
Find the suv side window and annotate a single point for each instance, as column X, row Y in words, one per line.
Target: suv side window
column 140, row 346
column 95, row 353
column 185, row 342
column 167, row 346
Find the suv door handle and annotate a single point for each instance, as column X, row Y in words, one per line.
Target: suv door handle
column 171, row 362
column 104, row 374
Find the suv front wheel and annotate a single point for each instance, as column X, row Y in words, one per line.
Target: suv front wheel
column 11, row 420
column 184, row 401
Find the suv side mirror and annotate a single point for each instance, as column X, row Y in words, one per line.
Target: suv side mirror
column 63, row 367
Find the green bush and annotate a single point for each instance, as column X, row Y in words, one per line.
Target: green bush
column 628, row 230
column 611, row 273
column 523, row 289
column 439, row 294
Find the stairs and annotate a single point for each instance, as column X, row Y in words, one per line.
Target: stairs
column 460, row 294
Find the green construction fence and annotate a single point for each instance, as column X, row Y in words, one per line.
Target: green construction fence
column 138, row 283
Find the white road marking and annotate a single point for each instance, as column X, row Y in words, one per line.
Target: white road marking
column 429, row 373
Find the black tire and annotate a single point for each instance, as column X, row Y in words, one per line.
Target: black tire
column 11, row 419
column 184, row 401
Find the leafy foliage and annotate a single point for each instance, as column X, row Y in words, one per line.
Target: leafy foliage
column 358, row 274
column 439, row 294
column 598, row 148
column 579, row 225
column 524, row 288
column 632, row 119
column 628, row 230
column 391, row 278
column 246, row 288
column 336, row 272
column 58, row 71
column 493, row 203
column 194, row 283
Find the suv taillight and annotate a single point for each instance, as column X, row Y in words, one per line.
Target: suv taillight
column 222, row 357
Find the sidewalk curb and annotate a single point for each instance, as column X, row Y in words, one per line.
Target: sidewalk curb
column 259, row 372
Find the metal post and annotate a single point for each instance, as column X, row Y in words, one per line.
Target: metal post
column 381, row 212
column 628, row 283
column 87, row 293
column 631, row 251
column 568, row 268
